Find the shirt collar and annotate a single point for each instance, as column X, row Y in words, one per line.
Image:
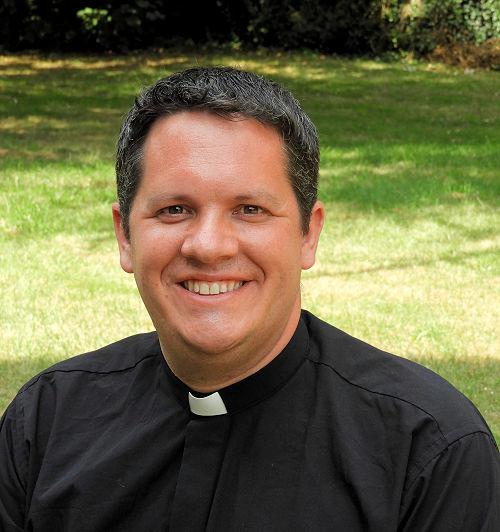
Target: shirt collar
column 208, row 405
column 252, row 390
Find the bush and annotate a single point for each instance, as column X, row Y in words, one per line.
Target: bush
column 120, row 26
column 423, row 26
column 38, row 24
column 340, row 26
column 485, row 55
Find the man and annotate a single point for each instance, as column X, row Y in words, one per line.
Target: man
column 241, row 412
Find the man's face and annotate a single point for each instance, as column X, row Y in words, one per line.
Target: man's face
column 215, row 236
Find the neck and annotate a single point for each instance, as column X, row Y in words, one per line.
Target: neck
column 208, row 372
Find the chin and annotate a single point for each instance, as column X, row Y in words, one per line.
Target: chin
column 212, row 341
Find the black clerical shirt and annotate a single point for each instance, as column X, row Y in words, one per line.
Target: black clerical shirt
column 332, row 435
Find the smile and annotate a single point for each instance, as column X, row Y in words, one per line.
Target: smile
column 205, row 288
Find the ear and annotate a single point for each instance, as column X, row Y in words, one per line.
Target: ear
column 123, row 242
column 311, row 239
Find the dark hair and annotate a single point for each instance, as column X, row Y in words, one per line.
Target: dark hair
column 229, row 93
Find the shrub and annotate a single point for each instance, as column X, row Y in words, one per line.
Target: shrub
column 470, row 55
column 340, row 26
column 422, row 26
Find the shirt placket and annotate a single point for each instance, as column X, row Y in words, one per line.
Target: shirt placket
column 204, row 449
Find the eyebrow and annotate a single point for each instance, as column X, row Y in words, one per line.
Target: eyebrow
column 164, row 197
column 254, row 197
column 258, row 195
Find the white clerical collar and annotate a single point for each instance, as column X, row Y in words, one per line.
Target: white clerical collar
column 211, row 405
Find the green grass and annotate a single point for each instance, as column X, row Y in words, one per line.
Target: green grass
column 409, row 255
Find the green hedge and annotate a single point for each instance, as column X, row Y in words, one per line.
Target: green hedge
column 341, row 26
column 421, row 26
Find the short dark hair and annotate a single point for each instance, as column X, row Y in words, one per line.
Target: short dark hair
column 229, row 93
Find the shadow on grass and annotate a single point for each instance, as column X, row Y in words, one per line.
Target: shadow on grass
column 411, row 262
column 359, row 184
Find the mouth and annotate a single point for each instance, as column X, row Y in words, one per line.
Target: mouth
column 205, row 288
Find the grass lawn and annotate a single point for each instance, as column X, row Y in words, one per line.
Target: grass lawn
column 410, row 176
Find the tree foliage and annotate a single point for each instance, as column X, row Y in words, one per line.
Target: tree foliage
column 341, row 26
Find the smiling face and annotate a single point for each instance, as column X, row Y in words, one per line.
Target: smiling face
column 216, row 245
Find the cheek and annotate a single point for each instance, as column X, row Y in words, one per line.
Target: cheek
column 278, row 236
column 156, row 247
column 285, row 247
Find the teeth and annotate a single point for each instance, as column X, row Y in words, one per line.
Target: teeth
column 214, row 288
column 204, row 289
column 218, row 287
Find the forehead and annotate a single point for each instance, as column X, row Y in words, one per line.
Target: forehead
column 208, row 128
column 202, row 144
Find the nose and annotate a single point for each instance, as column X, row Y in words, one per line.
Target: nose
column 210, row 239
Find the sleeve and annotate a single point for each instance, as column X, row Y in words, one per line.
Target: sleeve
column 458, row 490
column 12, row 487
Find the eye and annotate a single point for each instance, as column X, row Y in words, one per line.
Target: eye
column 173, row 210
column 252, row 209
column 249, row 210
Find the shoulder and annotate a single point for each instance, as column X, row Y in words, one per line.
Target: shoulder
column 395, row 384
column 114, row 359
column 78, row 398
